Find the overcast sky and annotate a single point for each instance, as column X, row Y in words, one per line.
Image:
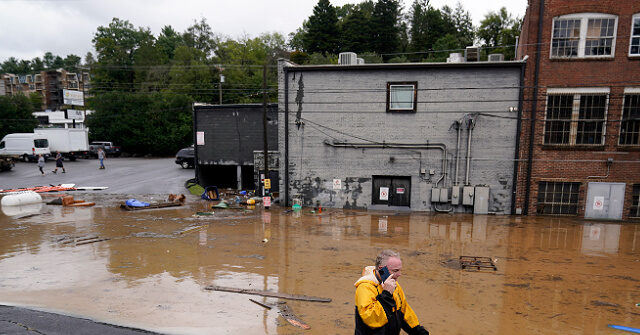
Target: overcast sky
column 29, row 28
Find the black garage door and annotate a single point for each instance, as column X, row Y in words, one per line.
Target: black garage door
column 391, row 190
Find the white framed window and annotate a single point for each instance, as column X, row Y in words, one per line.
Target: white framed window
column 584, row 35
column 630, row 123
column 634, row 43
column 402, row 96
column 576, row 116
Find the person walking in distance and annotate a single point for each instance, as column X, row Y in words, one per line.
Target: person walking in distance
column 101, row 157
column 41, row 164
column 381, row 306
column 59, row 163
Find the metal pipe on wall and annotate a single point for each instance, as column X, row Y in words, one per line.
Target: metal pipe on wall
column 286, row 136
column 470, row 126
column 458, row 124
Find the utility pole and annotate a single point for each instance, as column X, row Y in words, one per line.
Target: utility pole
column 220, row 85
column 264, row 126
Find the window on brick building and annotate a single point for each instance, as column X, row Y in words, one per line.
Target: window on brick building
column 635, row 202
column 402, row 96
column 630, row 125
column 558, row 197
column 634, row 44
column 583, row 35
column 575, row 118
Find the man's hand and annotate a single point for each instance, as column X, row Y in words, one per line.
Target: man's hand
column 389, row 285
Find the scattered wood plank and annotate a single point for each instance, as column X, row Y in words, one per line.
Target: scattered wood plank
column 261, row 304
column 93, row 241
column 285, row 311
column 267, row 293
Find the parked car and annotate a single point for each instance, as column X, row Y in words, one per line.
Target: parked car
column 186, row 158
column 108, row 147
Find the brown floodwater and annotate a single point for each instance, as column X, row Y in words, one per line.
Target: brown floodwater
column 554, row 275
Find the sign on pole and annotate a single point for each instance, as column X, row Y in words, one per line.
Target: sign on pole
column 75, row 98
column 75, row 114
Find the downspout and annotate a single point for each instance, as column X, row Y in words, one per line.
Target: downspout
column 458, row 124
column 516, row 160
column 534, row 109
column 194, row 118
column 470, row 126
column 286, row 136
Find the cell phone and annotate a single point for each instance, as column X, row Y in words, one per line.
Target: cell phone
column 384, row 274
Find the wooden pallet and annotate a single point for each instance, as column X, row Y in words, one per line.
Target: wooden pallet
column 477, row 263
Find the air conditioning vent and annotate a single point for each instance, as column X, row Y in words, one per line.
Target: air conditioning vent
column 472, row 54
column 496, row 58
column 347, row 58
column 455, row 58
column 360, row 61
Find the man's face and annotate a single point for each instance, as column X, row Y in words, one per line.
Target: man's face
column 394, row 264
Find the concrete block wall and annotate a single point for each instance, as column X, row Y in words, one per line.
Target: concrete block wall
column 348, row 104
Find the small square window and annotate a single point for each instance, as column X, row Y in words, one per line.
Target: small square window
column 634, row 45
column 401, row 96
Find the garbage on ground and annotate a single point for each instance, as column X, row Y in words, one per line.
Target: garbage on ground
column 286, row 312
column 21, row 198
column 477, row 263
column 134, row 204
column 193, row 187
column 210, row 193
column 76, row 240
column 23, row 211
column 629, row 329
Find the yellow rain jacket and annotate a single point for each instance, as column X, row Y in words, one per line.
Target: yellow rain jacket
column 380, row 313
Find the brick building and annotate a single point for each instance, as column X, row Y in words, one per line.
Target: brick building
column 49, row 84
column 580, row 141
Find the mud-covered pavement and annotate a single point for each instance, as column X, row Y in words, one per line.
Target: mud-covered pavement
column 149, row 269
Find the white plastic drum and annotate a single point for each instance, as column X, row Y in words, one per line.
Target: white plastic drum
column 21, row 198
column 22, row 210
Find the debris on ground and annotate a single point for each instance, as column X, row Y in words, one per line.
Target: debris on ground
column 174, row 200
column 76, row 240
column 286, row 312
column 477, row 263
column 267, row 293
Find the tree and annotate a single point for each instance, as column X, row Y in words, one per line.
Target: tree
column 36, row 101
column 498, row 31
column 355, row 32
column 16, row 113
column 72, row 63
column 322, row 34
column 463, row 26
column 168, row 41
column 200, row 36
column 384, row 26
column 37, row 65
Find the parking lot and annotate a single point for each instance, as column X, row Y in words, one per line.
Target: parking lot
column 122, row 175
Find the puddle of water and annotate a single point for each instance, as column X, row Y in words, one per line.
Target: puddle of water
column 148, row 269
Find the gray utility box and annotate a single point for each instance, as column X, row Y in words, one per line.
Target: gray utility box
column 435, row 194
column 481, row 201
column 444, row 195
column 455, row 195
column 467, row 195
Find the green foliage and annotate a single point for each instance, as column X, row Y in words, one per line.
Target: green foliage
column 320, row 59
column 498, row 31
column 299, row 57
column 398, row 59
column 16, row 115
column 355, row 32
column 36, row 100
column 157, row 123
column 371, row 58
column 322, row 30
column 384, row 26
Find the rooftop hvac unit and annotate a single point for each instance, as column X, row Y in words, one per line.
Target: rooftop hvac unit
column 360, row 61
column 496, row 58
column 472, row 54
column 455, row 58
column 347, row 58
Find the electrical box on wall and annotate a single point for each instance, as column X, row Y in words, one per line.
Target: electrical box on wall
column 481, row 201
column 467, row 195
column 455, row 195
column 444, row 195
column 435, row 195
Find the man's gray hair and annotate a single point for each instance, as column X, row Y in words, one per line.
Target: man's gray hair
column 384, row 255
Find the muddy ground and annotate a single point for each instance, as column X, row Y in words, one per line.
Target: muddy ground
column 149, row 269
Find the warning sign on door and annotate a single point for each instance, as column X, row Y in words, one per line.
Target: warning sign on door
column 598, row 203
column 384, row 193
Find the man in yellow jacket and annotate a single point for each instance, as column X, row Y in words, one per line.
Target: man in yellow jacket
column 381, row 307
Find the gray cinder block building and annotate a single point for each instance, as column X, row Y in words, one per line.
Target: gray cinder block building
column 420, row 136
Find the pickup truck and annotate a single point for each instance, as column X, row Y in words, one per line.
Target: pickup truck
column 108, row 147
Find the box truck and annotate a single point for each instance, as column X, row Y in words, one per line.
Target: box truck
column 71, row 142
column 26, row 146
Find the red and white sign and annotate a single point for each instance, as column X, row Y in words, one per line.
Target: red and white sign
column 598, row 203
column 400, row 190
column 200, row 138
column 384, row 193
column 266, row 201
column 337, row 184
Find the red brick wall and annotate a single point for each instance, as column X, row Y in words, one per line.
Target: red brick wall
column 576, row 164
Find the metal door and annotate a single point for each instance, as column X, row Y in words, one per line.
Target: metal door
column 391, row 190
column 604, row 201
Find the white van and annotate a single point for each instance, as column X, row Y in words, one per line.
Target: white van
column 25, row 145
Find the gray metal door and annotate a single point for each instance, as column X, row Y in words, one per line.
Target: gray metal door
column 604, row 201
